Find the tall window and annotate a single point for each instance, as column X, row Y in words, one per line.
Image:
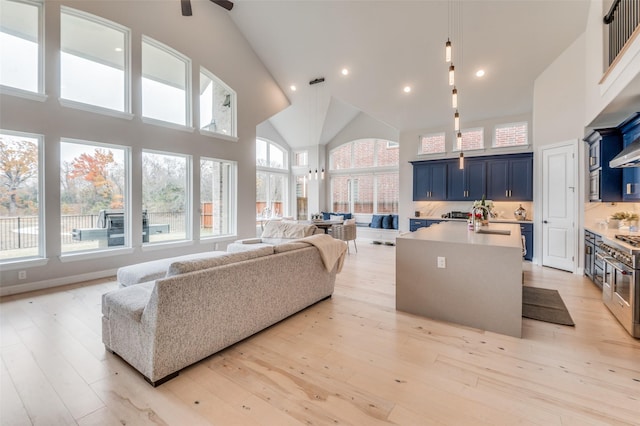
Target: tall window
column 512, row 134
column 472, row 139
column 217, row 197
column 217, row 105
column 272, row 177
column 21, row 233
column 21, row 45
column 93, row 196
column 302, row 200
column 165, row 83
column 165, row 196
column 94, row 65
column 364, row 177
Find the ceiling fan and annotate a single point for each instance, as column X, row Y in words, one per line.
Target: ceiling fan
column 186, row 5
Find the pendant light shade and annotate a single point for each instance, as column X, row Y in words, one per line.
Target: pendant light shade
column 447, row 51
column 316, row 174
column 451, row 75
column 456, row 121
column 461, row 161
column 454, row 98
column 322, row 174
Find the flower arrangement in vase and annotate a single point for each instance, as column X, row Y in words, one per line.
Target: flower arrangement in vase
column 482, row 210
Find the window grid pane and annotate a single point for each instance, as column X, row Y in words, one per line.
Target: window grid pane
column 432, row 144
column 216, row 210
column 340, row 158
column 19, row 46
column 92, row 196
column 217, row 105
column 363, row 154
column 388, row 154
column 340, row 193
column 362, row 190
column 514, row 134
column 93, row 60
column 472, row 139
column 165, row 196
column 387, row 186
column 19, row 197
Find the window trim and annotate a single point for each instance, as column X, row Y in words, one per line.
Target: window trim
column 285, row 157
column 128, row 242
column 471, row 129
column 306, row 154
column 188, row 119
column 126, row 31
column 234, row 106
column 42, row 228
column 506, row 125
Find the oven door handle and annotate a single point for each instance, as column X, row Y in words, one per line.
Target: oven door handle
column 604, row 257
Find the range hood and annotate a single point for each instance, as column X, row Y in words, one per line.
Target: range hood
column 628, row 157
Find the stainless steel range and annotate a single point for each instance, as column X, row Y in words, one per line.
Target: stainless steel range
column 621, row 279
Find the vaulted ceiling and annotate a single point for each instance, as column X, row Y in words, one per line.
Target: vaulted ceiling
column 387, row 45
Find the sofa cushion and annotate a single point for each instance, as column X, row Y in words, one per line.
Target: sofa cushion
column 154, row 269
column 240, row 247
column 287, row 230
column 395, row 221
column 183, row 267
column 376, row 221
column 281, row 248
column 387, row 222
column 336, row 217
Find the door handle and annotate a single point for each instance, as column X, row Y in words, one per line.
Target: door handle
column 544, row 221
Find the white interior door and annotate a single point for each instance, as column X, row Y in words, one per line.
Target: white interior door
column 558, row 206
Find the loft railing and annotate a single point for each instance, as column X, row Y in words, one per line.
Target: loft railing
column 622, row 20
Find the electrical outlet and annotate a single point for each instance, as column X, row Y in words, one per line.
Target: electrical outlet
column 442, row 262
column 22, row 275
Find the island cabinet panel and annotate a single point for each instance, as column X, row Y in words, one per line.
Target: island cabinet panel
column 430, row 181
column 469, row 183
column 417, row 224
column 510, row 178
column 605, row 183
column 526, row 229
column 630, row 175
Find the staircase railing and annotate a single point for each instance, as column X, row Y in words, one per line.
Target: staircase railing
column 622, row 20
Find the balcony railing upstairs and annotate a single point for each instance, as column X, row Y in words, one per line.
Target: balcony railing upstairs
column 622, row 22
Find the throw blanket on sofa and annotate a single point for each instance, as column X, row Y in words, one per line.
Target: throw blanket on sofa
column 331, row 250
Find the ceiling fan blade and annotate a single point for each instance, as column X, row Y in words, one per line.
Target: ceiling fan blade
column 186, row 7
column 224, row 3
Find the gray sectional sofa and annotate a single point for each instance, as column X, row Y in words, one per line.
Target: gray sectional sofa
column 200, row 306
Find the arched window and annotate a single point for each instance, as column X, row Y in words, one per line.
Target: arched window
column 364, row 177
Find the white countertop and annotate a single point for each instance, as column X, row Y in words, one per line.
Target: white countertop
column 609, row 232
column 457, row 231
column 494, row 220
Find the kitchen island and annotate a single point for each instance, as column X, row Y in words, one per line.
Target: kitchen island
column 450, row 273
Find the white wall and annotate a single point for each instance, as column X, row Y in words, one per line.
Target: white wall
column 210, row 39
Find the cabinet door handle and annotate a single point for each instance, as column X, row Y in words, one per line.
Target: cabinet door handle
column 630, row 189
column 506, row 193
column 592, row 161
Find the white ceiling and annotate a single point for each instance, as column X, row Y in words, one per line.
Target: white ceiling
column 389, row 44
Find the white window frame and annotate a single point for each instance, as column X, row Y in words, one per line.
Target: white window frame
column 39, row 259
column 430, row 135
column 234, row 109
column 40, row 95
column 188, row 123
column 233, row 201
column 306, row 157
column 188, row 210
column 456, row 148
column 126, row 113
column 507, row 125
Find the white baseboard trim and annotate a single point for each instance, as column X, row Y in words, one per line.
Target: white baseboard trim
column 41, row 285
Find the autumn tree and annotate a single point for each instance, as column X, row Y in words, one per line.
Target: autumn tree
column 95, row 171
column 19, row 167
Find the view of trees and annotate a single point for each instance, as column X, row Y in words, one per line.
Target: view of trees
column 164, row 183
column 19, row 176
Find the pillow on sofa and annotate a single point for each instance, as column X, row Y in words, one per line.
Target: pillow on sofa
column 337, row 218
column 376, row 221
column 346, row 215
column 395, row 221
column 326, row 215
column 177, row 268
column 387, row 222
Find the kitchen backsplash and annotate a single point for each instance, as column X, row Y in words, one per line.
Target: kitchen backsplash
column 503, row 209
column 595, row 213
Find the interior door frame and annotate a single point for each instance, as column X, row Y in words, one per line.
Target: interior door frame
column 580, row 183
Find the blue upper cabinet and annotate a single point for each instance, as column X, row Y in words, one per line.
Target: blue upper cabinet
column 605, row 183
column 469, row 183
column 429, row 181
column 510, row 178
column 630, row 175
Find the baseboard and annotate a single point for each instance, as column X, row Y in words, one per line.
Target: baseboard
column 42, row 285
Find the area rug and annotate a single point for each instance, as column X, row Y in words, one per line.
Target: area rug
column 544, row 304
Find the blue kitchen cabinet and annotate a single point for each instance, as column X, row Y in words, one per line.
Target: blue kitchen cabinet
column 469, row 183
column 415, row 224
column 630, row 130
column 526, row 229
column 605, row 183
column 510, row 177
column 429, row 181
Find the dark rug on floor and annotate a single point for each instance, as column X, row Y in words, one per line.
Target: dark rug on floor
column 544, row 304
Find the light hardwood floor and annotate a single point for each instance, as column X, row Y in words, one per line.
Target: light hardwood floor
column 351, row 359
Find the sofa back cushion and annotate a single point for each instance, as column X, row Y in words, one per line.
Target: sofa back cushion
column 183, row 267
column 287, row 230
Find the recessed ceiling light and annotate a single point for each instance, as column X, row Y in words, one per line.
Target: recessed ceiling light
column 480, row 73
column 118, row 49
column 293, row 88
column 407, row 89
column 345, row 71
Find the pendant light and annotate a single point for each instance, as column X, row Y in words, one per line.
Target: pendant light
column 447, row 51
column 456, row 121
column 454, row 97
column 461, row 157
column 451, row 75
